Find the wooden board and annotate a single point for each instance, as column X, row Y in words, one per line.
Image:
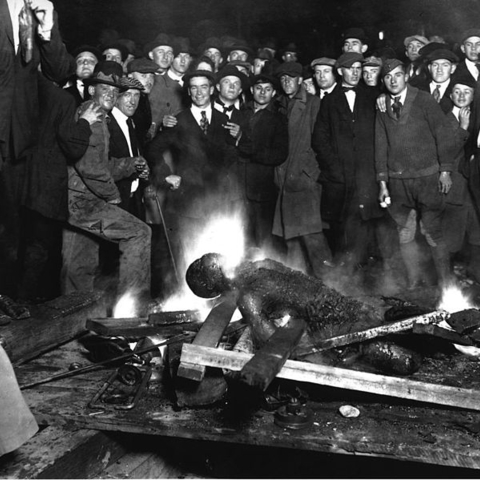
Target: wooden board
column 51, row 324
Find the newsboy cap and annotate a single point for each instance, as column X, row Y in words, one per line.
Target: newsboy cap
column 292, row 69
column 391, row 64
column 323, row 61
column 471, row 32
column 464, row 79
column 347, row 59
column 131, row 84
column 264, row 78
column 443, row 54
column 419, row 38
column 373, row 61
column 107, row 72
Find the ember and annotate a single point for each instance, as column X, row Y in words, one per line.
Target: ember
column 454, row 300
column 125, row 307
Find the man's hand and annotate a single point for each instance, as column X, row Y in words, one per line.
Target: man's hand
column 235, row 130
column 169, row 121
column 382, row 103
column 464, row 117
column 384, row 195
column 444, row 182
column 92, row 114
column 43, row 10
column 142, row 168
column 174, row 181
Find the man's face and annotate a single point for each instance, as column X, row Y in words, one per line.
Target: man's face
column 85, row 62
column 396, row 81
column 229, row 88
column 263, row 93
column 146, row 79
column 471, row 48
column 441, row 70
column 290, row 57
column 237, row 55
column 354, row 45
column 215, row 55
column 309, row 86
column 324, row 76
column 412, row 50
column 104, row 95
column 162, row 56
column 113, row 55
column 371, row 75
column 461, row 95
column 181, row 63
column 200, row 91
column 290, row 85
column 351, row 75
column 127, row 102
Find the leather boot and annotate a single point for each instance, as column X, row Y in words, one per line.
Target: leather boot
column 411, row 258
column 441, row 259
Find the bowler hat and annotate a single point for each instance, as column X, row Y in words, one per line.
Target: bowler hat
column 107, row 72
column 239, row 46
column 160, row 40
column 231, row 70
column 391, row 64
column 142, row 65
column 198, row 73
column 117, row 46
column 347, row 59
column 182, row 45
column 292, row 69
column 323, row 61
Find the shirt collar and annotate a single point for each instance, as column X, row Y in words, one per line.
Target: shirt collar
column 401, row 95
column 119, row 115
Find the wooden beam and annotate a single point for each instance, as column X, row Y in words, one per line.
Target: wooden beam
column 209, row 335
column 343, row 378
column 381, row 331
column 51, row 324
column 264, row 366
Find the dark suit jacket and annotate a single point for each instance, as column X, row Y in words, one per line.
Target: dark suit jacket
column 345, row 145
column 19, row 103
column 61, row 141
column 445, row 103
column 200, row 160
column 462, row 71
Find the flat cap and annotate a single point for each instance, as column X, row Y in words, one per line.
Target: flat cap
column 373, row 61
column 463, row 79
column 323, row 61
column 355, row 32
column 471, row 32
column 292, row 69
column 142, row 65
column 264, row 78
column 131, row 84
column 418, row 38
column 347, row 59
column 391, row 64
column 443, row 54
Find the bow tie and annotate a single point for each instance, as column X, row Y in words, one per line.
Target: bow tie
column 225, row 108
column 349, row 89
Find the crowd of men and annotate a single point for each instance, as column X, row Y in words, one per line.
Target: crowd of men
column 114, row 157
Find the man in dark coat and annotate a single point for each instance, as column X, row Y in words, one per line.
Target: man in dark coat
column 23, row 48
column 344, row 139
column 470, row 46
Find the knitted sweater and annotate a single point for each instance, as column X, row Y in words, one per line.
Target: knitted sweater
column 419, row 143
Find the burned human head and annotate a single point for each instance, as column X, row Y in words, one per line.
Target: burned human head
column 206, row 276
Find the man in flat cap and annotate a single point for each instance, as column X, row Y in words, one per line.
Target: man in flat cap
column 413, row 44
column 470, row 46
column 354, row 40
column 414, row 153
column 86, row 57
column 203, row 150
column 441, row 65
column 143, row 71
column 93, row 202
column 325, row 75
column 372, row 67
column 297, row 215
column 343, row 139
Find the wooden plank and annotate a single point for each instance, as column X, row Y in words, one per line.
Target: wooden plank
column 381, row 331
column 53, row 323
column 343, row 378
column 209, row 335
column 267, row 362
column 57, row 452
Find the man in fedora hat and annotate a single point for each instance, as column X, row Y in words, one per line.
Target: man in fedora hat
column 93, row 201
column 355, row 40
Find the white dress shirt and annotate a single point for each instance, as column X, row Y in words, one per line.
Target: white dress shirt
column 197, row 113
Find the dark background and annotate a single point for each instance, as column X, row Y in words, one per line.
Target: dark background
column 314, row 25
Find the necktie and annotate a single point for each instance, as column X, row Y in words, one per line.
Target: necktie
column 204, row 122
column 397, row 107
column 25, row 19
column 133, row 137
column 436, row 93
column 349, row 89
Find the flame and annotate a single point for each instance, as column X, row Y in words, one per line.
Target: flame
column 126, row 307
column 454, row 300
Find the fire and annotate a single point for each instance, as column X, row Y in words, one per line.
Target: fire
column 126, row 307
column 454, row 300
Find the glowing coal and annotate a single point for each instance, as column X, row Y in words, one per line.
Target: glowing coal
column 126, row 307
column 454, row 300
